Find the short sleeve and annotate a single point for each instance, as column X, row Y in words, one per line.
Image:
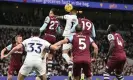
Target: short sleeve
column 9, row 47
column 70, row 38
column 47, row 19
column 110, row 37
column 47, row 44
column 66, row 16
column 91, row 40
column 24, row 43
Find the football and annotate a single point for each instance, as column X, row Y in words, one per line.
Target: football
column 68, row 7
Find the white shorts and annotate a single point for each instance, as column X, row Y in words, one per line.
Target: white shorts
column 38, row 66
column 67, row 46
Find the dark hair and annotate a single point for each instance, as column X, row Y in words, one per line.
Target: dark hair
column 113, row 27
column 78, row 28
column 55, row 11
column 80, row 15
column 35, row 32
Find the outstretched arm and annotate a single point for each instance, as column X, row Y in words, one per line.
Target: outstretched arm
column 8, row 48
column 62, row 42
column 47, row 20
column 2, row 53
column 14, row 49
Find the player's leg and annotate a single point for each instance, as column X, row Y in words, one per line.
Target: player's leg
column 50, row 63
column 82, row 77
column 20, row 77
column 87, row 70
column 41, row 70
column 111, row 65
column 38, row 78
column 45, row 56
column 70, row 67
column 77, row 70
column 52, row 40
column 119, row 70
column 10, row 72
column 9, row 76
column 41, row 77
column 25, row 70
column 66, row 48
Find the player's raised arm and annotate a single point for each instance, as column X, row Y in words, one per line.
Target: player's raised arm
column 47, row 20
column 111, row 38
column 19, row 46
column 58, row 30
column 8, row 48
column 93, row 31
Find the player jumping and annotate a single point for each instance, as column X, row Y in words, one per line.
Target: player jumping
column 116, row 55
column 49, row 30
column 87, row 26
column 34, row 47
column 71, row 21
column 16, row 58
column 81, row 53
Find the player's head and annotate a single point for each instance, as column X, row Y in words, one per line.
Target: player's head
column 53, row 12
column 73, row 11
column 35, row 32
column 78, row 29
column 112, row 28
column 18, row 39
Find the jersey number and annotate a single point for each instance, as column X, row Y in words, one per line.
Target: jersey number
column 36, row 49
column 86, row 24
column 119, row 42
column 52, row 24
column 82, row 44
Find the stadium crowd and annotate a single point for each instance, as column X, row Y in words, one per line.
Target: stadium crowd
column 60, row 66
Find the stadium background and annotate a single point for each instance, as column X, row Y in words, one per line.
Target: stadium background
column 22, row 17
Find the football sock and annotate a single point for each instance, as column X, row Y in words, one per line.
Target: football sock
column 70, row 69
column 106, row 76
column 49, row 66
column 119, row 77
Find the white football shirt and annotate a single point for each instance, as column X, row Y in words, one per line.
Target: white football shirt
column 71, row 21
column 34, row 47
